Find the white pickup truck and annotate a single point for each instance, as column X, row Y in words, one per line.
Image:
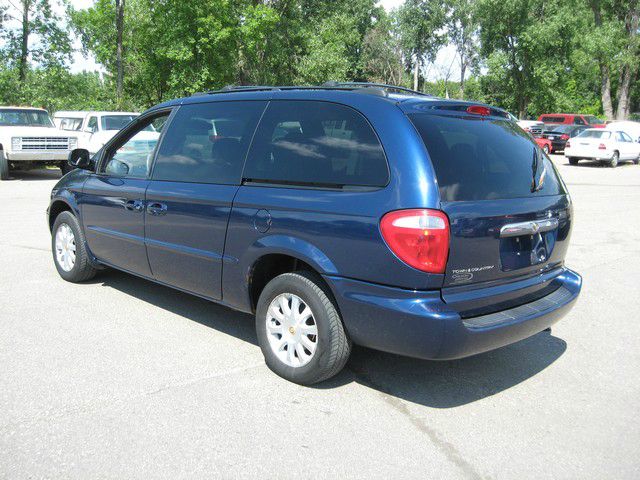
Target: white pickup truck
column 93, row 129
column 28, row 138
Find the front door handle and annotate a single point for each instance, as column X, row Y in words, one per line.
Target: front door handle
column 134, row 205
column 156, row 208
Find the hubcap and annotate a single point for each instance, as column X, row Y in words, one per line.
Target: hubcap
column 291, row 330
column 65, row 247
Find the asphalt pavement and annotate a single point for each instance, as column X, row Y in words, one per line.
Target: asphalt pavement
column 122, row 378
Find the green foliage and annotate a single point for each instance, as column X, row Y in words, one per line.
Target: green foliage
column 528, row 56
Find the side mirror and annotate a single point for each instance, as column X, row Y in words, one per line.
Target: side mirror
column 79, row 158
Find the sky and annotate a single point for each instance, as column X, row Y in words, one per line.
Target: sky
column 445, row 60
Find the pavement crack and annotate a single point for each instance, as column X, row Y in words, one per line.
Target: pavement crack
column 449, row 450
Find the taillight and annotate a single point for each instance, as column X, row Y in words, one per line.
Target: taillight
column 479, row 110
column 418, row 237
column 564, row 136
column 602, row 146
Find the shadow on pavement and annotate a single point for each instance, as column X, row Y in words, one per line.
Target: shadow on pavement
column 444, row 384
column 34, row 175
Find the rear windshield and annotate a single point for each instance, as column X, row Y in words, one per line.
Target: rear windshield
column 601, row 134
column 484, row 159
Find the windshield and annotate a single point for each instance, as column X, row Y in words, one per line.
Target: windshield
column 24, row 118
column 116, row 122
column 602, row 134
column 484, row 159
column 591, row 120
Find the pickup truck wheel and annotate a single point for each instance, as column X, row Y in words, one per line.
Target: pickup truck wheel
column 69, row 252
column 613, row 163
column 573, row 160
column 4, row 166
column 299, row 329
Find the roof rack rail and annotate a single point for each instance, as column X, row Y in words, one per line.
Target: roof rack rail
column 382, row 86
column 380, row 89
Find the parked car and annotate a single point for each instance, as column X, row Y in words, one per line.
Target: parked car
column 610, row 146
column 560, row 134
column 630, row 128
column 545, row 144
column 532, row 126
column 93, row 128
column 339, row 214
column 572, row 119
column 28, row 139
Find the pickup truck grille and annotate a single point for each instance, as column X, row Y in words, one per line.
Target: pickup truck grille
column 536, row 130
column 45, row 143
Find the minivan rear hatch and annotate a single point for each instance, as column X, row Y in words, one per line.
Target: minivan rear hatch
column 508, row 209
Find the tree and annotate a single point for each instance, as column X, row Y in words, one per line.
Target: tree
column 462, row 29
column 119, row 32
column 34, row 18
column 421, row 30
column 629, row 12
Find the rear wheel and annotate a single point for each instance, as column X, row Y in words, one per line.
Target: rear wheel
column 69, row 252
column 637, row 160
column 4, row 166
column 573, row 161
column 546, row 149
column 299, row 329
column 613, row 163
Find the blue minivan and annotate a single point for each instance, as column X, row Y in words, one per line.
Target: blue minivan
column 340, row 214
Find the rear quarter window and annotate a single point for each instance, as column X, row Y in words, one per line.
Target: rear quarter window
column 312, row 143
column 484, row 159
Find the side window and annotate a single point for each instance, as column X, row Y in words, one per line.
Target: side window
column 208, row 142
column 579, row 121
column 625, row 137
column 316, row 143
column 133, row 154
column 92, row 125
column 72, row 124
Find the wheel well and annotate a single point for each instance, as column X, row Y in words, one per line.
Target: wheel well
column 56, row 209
column 269, row 267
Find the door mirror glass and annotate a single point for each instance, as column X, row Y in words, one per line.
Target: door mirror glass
column 80, row 158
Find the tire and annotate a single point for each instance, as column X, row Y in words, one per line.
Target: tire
column 65, row 168
column 613, row 163
column 4, row 166
column 80, row 269
column 637, row 160
column 546, row 149
column 573, row 161
column 331, row 342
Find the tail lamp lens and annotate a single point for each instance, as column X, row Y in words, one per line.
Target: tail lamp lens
column 602, row 146
column 418, row 237
column 564, row 136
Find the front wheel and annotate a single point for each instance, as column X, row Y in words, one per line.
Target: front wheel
column 573, row 161
column 299, row 329
column 613, row 163
column 70, row 255
column 4, row 166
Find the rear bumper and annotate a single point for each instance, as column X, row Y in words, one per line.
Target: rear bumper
column 422, row 325
column 37, row 156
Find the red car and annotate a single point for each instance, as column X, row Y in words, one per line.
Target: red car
column 572, row 119
column 545, row 144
